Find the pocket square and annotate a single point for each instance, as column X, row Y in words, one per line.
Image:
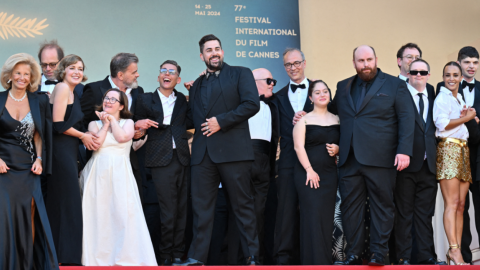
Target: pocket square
column 382, row 95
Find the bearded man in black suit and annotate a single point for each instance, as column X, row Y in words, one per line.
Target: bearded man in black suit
column 377, row 131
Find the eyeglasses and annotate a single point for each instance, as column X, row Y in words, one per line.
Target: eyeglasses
column 51, row 65
column 110, row 100
column 411, row 57
column 295, row 64
column 415, row 72
column 269, row 81
column 169, row 71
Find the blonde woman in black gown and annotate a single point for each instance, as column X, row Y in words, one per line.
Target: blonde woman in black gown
column 316, row 137
column 63, row 203
column 25, row 150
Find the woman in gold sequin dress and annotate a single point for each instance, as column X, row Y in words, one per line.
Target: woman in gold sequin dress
column 450, row 115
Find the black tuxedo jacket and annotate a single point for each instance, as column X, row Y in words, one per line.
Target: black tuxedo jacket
column 92, row 97
column 232, row 103
column 159, row 148
column 275, row 133
column 384, row 125
column 288, row 156
column 473, row 129
column 424, row 140
column 42, row 117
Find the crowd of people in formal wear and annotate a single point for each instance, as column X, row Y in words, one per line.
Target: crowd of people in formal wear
column 104, row 174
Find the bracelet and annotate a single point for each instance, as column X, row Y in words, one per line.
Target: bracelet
column 40, row 158
column 81, row 138
column 308, row 167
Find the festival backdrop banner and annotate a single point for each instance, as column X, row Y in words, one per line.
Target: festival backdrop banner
column 254, row 33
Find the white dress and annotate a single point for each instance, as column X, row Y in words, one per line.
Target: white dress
column 114, row 228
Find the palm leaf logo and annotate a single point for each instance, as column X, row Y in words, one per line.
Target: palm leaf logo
column 19, row 27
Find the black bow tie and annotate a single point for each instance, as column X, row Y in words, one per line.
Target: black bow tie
column 295, row 86
column 470, row 85
column 266, row 100
column 48, row 82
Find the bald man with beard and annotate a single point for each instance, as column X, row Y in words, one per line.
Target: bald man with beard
column 264, row 132
column 376, row 139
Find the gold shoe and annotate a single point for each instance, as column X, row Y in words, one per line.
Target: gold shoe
column 450, row 258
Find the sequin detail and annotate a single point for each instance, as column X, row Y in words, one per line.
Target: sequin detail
column 27, row 130
column 453, row 160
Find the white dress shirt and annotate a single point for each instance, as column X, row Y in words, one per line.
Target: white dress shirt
column 469, row 96
column 416, row 98
column 260, row 124
column 401, row 77
column 128, row 92
column 45, row 87
column 448, row 107
column 298, row 98
column 168, row 103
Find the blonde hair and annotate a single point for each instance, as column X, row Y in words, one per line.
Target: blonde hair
column 64, row 63
column 12, row 62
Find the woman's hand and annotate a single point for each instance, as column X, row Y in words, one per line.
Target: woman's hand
column 332, row 149
column 103, row 116
column 37, row 167
column 313, row 178
column 3, row 166
column 89, row 140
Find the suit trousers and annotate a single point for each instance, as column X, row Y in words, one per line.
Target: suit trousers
column 260, row 173
column 236, row 181
column 218, row 244
column 356, row 181
column 171, row 185
column 287, row 227
column 415, row 194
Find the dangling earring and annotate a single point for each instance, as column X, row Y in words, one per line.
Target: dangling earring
column 9, row 81
column 312, row 102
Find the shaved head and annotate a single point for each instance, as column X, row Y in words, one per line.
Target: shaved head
column 260, row 75
column 363, row 48
column 365, row 62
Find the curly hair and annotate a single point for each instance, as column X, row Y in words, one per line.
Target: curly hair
column 64, row 63
column 12, row 62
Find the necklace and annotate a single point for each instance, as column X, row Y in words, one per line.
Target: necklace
column 17, row 100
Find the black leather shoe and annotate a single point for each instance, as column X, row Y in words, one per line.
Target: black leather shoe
column 404, row 262
column 166, row 262
column 376, row 260
column 433, row 261
column 189, row 262
column 352, row 260
column 177, row 260
column 252, row 260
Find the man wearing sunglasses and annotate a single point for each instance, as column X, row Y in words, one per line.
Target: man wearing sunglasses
column 264, row 131
column 167, row 156
column 291, row 101
column 416, row 185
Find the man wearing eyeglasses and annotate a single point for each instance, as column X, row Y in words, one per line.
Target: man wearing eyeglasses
column 167, row 156
column 468, row 58
column 290, row 100
column 416, row 185
column 264, row 132
column 49, row 55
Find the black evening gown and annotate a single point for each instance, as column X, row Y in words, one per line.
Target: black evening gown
column 63, row 203
column 317, row 206
column 17, row 188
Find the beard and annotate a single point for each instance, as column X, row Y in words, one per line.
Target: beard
column 366, row 77
column 217, row 66
column 131, row 85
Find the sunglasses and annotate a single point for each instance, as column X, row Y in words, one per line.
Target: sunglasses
column 269, row 81
column 169, row 71
column 415, row 72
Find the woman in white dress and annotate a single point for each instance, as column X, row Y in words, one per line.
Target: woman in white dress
column 114, row 228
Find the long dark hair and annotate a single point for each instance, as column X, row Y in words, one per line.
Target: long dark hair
column 124, row 113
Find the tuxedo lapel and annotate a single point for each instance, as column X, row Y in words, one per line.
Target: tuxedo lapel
column 348, row 90
column 285, row 102
column 377, row 84
column 3, row 101
column 157, row 107
column 418, row 117
column 134, row 94
column 178, row 104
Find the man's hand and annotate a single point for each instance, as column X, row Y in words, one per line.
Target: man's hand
column 139, row 133
column 210, row 127
column 298, row 116
column 401, row 161
column 145, row 124
column 188, row 85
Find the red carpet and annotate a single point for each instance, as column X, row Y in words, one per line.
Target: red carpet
column 293, row 267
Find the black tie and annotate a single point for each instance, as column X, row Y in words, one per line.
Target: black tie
column 362, row 95
column 48, row 82
column 295, row 86
column 470, row 85
column 422, row 107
